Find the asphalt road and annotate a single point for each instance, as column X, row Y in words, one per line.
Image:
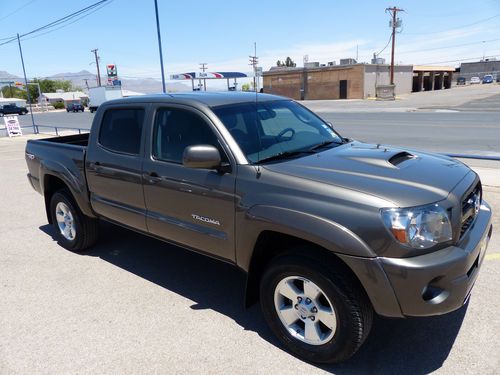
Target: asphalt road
column 445, row 132
column 136, row 305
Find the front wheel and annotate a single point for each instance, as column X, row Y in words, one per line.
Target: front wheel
column 74, row 230
column 318, row 312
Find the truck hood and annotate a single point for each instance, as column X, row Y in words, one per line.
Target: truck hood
column 404, row 177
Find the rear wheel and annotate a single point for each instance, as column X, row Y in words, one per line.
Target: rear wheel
column 74, row 230
column 317, row 312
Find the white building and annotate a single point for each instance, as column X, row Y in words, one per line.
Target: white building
column 15, row 101
column 64, row 97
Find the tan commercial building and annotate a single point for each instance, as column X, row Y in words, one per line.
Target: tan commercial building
column 356, row 81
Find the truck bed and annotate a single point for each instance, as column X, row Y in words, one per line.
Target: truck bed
column 63, row 157
column 76, row 139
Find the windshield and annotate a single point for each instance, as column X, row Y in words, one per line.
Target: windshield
column 274, row 128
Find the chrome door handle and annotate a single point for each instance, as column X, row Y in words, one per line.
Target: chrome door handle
column 153, row 177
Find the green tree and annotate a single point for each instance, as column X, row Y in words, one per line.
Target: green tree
column 13, row 92
column 46, row 85
column 288, row 62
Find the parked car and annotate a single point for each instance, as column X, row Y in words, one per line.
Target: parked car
column 75, row 107
column 461, row 81
column 488, row 78
column 12, row 109
column 475, row 81
column 328, row 230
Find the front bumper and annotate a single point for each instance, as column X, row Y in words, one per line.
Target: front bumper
column 440, row 282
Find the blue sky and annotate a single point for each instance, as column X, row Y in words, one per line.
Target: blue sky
column 221, row 33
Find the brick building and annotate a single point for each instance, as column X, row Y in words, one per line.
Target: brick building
column 355, row 81
column 480, row 68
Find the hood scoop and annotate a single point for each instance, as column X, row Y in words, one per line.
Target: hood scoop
column 400, row 157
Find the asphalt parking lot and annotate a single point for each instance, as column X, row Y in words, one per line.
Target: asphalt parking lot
column 136, row 305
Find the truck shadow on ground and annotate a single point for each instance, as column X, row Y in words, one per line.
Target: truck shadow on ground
column 395, row 346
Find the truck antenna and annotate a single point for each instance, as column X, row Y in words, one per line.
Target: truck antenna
column 253, row 63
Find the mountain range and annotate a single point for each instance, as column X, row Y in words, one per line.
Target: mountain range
column 143, row 85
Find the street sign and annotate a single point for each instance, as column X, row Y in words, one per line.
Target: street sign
column 12, row 125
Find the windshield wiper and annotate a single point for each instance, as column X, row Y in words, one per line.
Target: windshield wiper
column 323, row 144
column 285, row 155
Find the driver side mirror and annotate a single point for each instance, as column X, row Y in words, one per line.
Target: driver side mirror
column 201, row 157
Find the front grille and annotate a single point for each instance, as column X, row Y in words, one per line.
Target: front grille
column 466, row 225
column 470, row 208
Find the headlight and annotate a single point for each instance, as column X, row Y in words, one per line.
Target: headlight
column 418, row 227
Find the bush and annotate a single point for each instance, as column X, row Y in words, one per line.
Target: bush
column 58, row 105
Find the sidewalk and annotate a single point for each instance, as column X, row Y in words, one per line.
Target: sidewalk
column 454, row 99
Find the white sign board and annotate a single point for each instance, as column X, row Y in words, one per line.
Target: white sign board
column 12, row 126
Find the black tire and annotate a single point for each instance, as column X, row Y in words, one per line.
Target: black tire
column 86, row 228
column 354, row 313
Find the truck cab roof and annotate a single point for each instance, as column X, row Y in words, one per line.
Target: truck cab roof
column 210, row 99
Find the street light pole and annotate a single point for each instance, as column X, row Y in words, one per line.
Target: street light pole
column 26, row 83
column 159, row 47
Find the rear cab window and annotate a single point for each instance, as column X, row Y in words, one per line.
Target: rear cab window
column 121, row 130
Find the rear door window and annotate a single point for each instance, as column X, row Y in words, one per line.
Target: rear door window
column 121, row 130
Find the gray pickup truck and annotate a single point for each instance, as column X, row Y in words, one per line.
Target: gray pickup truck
column 328, row 230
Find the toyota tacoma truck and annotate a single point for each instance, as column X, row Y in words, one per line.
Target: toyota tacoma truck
column 328, row 230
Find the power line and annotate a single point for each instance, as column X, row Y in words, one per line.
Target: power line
column 457, row 27
column 70, row 23
column 17, row 10
column 65, row 18
column 59, row 21
column 383, row 49
column 453, row 46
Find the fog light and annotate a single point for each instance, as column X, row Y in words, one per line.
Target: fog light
column 433, row 293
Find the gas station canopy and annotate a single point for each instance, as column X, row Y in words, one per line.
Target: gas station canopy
column 210, row 75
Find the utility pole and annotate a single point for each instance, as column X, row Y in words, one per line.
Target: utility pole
column 86, row 82
column 253, row 62
column 159, row 47
column 97, row 64
column 35, row 130
column 203, row 67
column 395, row 23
